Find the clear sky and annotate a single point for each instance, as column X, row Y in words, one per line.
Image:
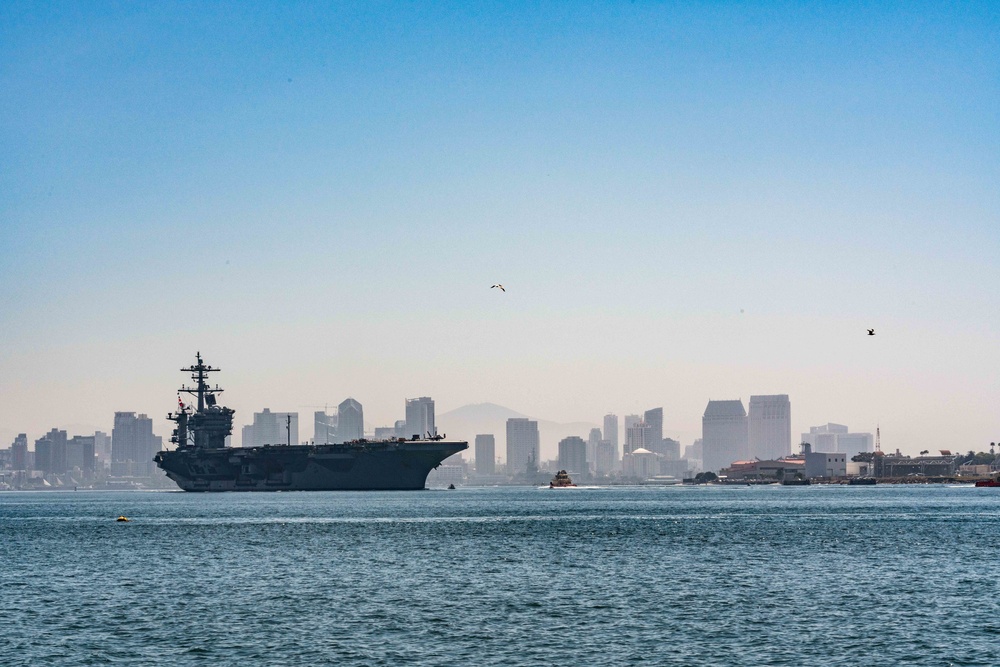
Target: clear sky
column 685, row 201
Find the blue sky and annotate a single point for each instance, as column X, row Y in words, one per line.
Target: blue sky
column 340, row 184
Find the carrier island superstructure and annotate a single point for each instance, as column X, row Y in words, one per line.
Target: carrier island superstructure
column 201, row 461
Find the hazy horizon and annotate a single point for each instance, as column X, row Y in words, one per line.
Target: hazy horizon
column 684, row 202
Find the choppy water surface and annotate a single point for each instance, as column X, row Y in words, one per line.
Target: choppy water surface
column 667, row 576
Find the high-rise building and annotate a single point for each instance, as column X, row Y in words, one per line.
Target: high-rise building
column 59, row 452
column 693, row 455
column 102, row 448
column 770, row 422
column 607, row 458
column 654, row 419
column 43, row 454
column 324, row 427
column 611, row 429
column 19, row 452
column 671, row 449
column 133, row 445
column 522, row 444
column 272, row 428
column 350, row 421
column 723, row 434
column 637, row 435
column 631, row 420
column 592, row 441
column 573, row 455
column 486, row 454
column 80, row 453
column 420, row 417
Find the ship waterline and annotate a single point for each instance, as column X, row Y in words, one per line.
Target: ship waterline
column 383, row 466
column 202, row 462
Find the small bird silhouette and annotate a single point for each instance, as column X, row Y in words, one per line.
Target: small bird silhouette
column 871, row 332
column 500, row 286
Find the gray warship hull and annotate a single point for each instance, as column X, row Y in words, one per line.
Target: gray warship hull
column 363, row 466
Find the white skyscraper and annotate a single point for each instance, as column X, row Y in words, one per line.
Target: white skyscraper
column 723, row 434
column 611, row 429
column 637, row 436
column 485, row 454
column 592, row 440
column 350, row 421
column 420, row 417
column 522, row 444
column 770, row 421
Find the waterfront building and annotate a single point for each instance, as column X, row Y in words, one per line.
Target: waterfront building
column 522, row 445
column 770, row 424
column 723, row 434
column 420, row 417
column 824, row 464
column 943, row 465
column 451, row 471
column 350, row 421
column 838, row 438
column 641, row 464
column 573, row 455
column 766, row 470
column 611, row 429
column 133, row 445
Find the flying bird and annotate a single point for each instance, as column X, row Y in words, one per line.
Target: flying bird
column 871, row 332
column 500, row 286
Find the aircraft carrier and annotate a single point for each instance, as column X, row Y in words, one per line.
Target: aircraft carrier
column 201, row 460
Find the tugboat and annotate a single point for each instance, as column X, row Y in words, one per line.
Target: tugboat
column 561, row 480
column 989, row 482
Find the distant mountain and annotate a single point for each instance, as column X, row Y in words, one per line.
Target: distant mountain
column 468, row 421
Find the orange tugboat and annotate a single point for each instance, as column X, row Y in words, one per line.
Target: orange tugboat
column 561, row 480
column 989, row 482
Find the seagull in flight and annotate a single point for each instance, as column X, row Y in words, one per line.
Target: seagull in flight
column 871, row 332
column 498, row 285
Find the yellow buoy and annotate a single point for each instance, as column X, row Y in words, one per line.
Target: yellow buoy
column 122, row 518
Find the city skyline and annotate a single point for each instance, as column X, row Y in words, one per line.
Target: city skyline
column 268, row 427
column 683, row 202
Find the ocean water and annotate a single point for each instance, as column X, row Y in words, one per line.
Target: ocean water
column 893, row 575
